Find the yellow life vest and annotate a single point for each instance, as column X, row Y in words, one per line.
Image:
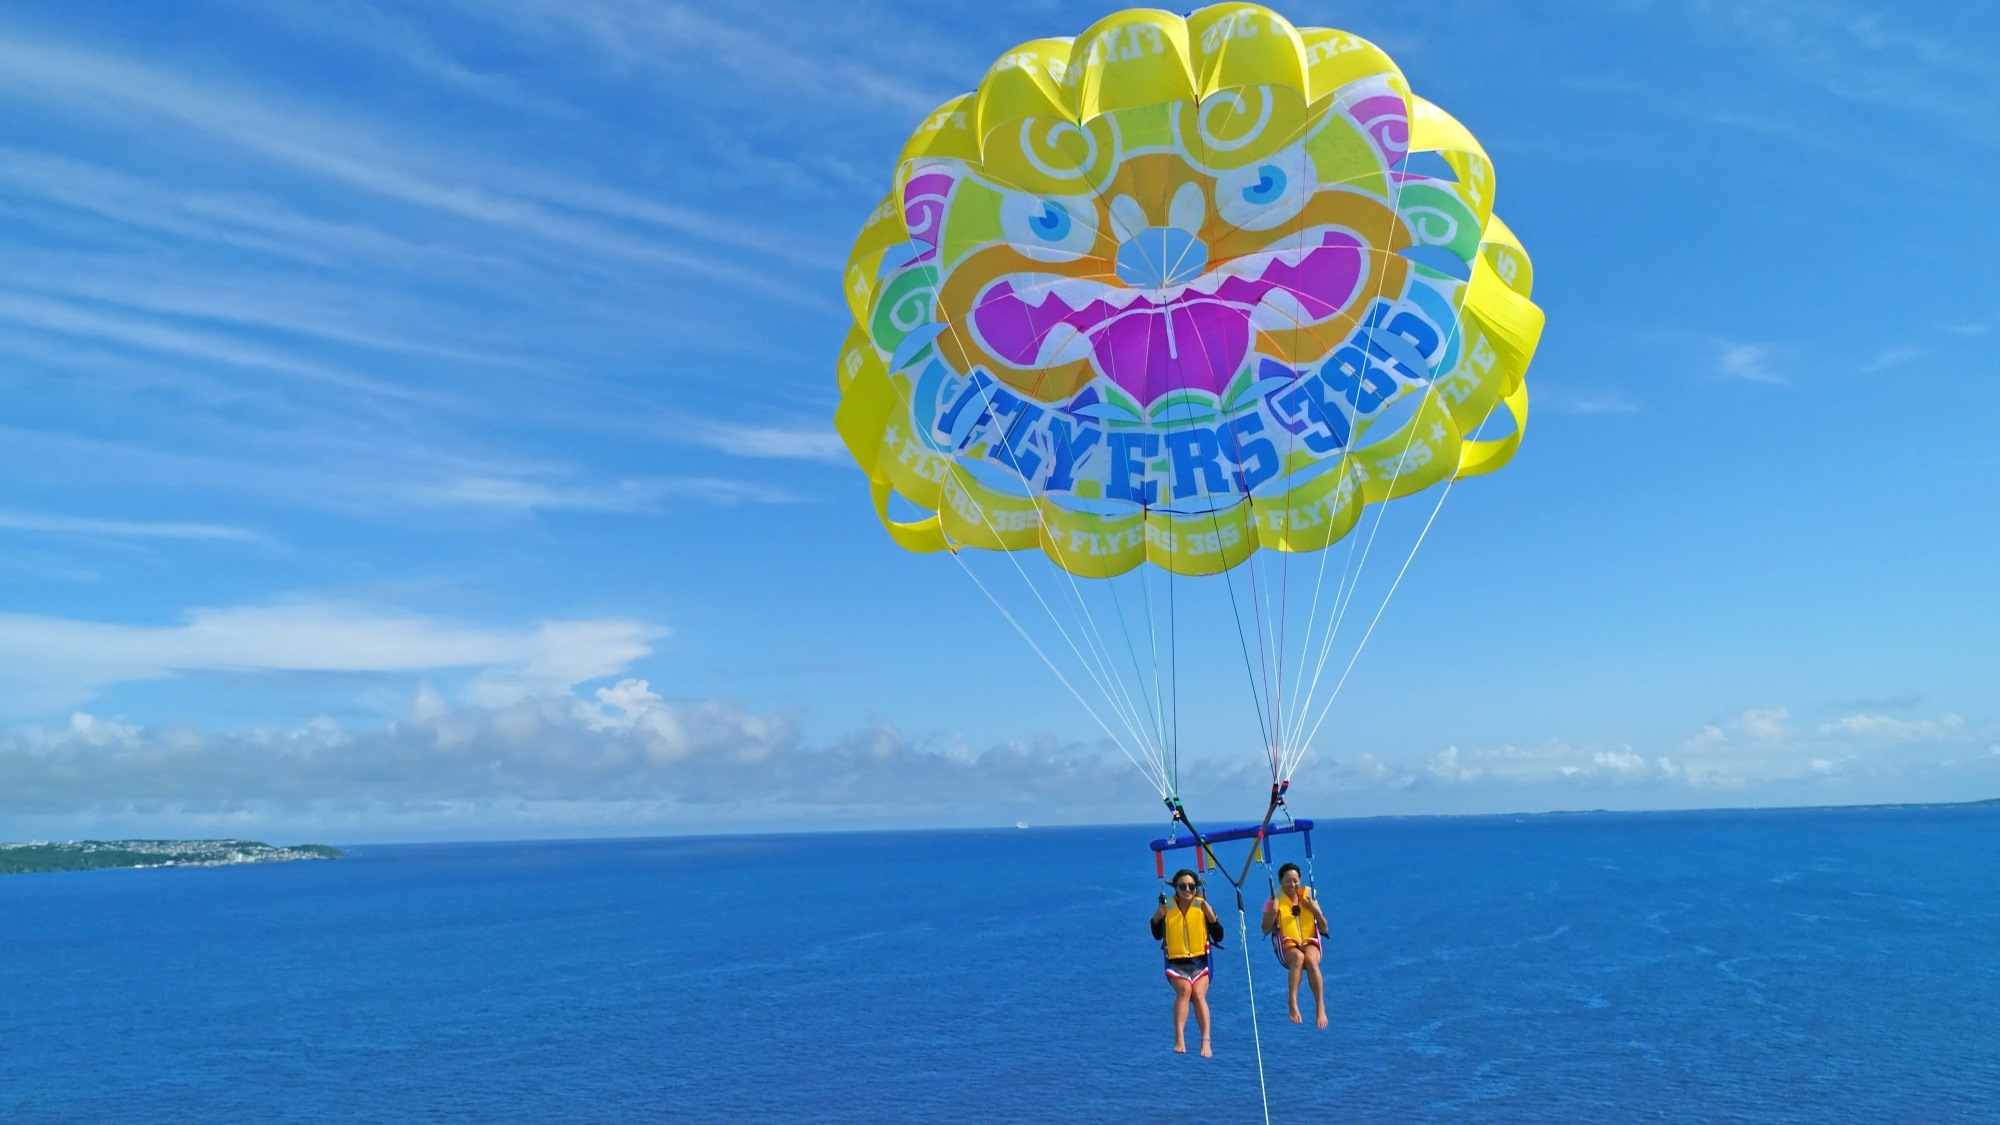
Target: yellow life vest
column 1186, row 931
column 1297, row 928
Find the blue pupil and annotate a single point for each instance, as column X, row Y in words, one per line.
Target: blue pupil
column 1053, row 223
column 1269, row 186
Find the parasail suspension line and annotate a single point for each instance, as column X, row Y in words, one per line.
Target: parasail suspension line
column 1157, row 781
column 1250, row 986
column 1379, row 611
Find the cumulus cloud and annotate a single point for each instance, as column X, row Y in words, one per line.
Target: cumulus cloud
column 1760, row 755
column 54, row 662
column 1516, row 765
column 626, row 747
column 544, row 746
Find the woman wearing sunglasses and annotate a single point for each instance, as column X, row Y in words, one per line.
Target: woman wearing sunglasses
column 1293, row 919
column 1186, row 928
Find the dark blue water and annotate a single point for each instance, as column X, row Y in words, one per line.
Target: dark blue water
column 1812, row 966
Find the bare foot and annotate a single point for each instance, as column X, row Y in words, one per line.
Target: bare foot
column 1297, row 1017
column 1322, row 1018
column 1180, row 1048
column 1205, row 1052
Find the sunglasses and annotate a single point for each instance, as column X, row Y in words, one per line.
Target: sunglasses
column 1185, row 886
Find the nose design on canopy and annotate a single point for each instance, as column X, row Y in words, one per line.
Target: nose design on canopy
column 1158, row 257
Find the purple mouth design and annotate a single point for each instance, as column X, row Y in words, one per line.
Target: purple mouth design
column 1152, row 342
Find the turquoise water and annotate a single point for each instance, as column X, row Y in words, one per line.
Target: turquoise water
column 1806, row 966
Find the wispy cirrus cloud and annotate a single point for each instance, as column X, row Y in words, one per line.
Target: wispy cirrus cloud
column 1587, row 403
column 129, row 529
column 1907, row 61
column 64, row 184
column 56, row 661
column 803, row 443
column 771, row 50
column 525, row 201
column 617, row 496
column 377, row 478
column 389, row 36
column 81, row 321
column 315, row 312
column 1751, row 363
column 1888, row 729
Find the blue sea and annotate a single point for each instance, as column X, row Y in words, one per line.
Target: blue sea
column 1795, row 966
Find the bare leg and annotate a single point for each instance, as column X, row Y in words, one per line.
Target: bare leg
column 1200, row 994
column 1182, row 991
column 1312, row 953
column 1293, row 962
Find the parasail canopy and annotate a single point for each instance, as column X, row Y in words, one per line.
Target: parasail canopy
column 1176, row 290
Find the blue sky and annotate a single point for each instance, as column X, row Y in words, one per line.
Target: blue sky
column 418, row 425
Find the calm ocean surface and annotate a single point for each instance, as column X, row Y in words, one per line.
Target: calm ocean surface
column 1807, row 966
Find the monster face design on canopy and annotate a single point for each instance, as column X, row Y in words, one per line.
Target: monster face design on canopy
column 1178, row 289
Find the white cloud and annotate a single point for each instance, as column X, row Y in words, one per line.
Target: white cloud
column 1871, row 58
column 619, row 496
column 636, row 33
column 1765, row 724
column 1618, row 761
column 378, row 31
column 521, row 200
column 1882, row 728
column 817, row 443
column 1890, row 358
column 312, row 309
column 123, row 529
column 1593, row 405
column 629, row 756
column 244, row 221
column 1756, row 725
column 1863, row 757
column 75, row 320
column 54, row 661
column 1752, row 363
column 1445, row 766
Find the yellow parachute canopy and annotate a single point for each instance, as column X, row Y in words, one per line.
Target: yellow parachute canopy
column 1177, row 289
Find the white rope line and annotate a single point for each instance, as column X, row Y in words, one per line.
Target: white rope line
column 1120, row 700
column 1156, row 780
column 1250, row 987
column 1301, row 746
column 1299, row 751
column 1342, row 596
column 1157, row 754
column 1332, row 696
column 1153, row 644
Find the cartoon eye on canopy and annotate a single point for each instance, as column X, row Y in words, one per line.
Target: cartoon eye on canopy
column 1176, row 290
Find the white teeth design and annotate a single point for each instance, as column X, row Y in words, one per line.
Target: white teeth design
column 1121, row 298
column 1065, row 343
column 1033, row 289
column 1278, row 311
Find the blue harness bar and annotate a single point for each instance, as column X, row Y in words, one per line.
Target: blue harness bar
column 1227, row 834
column 1249, row 832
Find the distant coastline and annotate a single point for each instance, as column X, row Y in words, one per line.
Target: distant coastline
column 36, row 857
